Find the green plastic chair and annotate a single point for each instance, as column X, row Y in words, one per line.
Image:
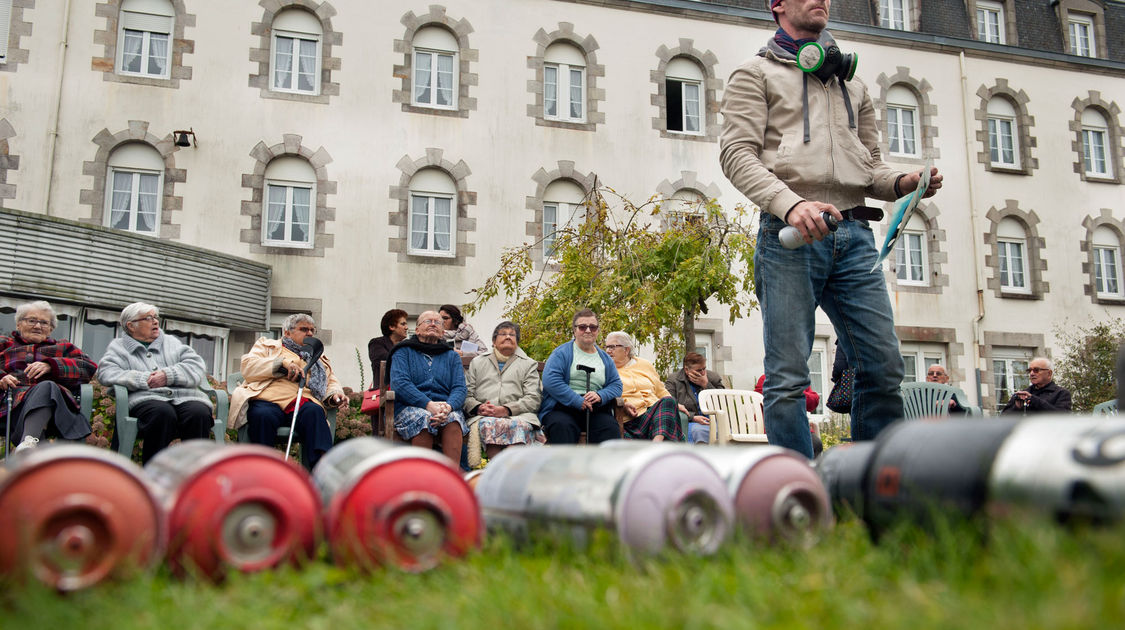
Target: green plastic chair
column 127, row 428
column 1108, row 408
column 235, row 379
column 921, row 400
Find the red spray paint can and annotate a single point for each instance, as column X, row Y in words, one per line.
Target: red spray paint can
column 399, row 506
column 74, row 515
column 240, row 507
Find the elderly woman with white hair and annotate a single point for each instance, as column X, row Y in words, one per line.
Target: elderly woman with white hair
column 42, row 375
column 162, row 375
column 266, row 399
column 652, row 411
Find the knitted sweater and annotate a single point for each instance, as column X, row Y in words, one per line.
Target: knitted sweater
column 127, row 362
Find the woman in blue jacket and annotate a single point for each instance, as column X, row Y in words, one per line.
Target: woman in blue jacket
column 580, row 383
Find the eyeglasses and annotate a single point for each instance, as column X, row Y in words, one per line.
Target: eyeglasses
column 935, row 373
column 146, row 318
column 506, row 334
column 307, row 329
column 613, row 346
column 435, row 322
column 587, row 327
column 1035, row 370
column 36, row 322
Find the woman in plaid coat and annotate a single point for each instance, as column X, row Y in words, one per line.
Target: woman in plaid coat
column 43, row 376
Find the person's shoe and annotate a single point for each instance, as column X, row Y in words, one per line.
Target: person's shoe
column 28, row 442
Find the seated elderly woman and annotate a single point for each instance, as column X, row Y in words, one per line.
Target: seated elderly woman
column 393, row 327
column 163, row 377
column 266, row 399
column 42, row 375
column 457, row 331
column 653, row 413
column 580, row 383
column 502, row 396
column 429, row 385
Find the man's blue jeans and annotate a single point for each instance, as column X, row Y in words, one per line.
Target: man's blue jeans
column 834, row 274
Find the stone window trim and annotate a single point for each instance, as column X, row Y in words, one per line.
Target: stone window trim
column 1091, row 223
column 17, row 28
column 938, row 335
column 1011, row 33
column 324, row 12
column 927, row 115
column 290, row 145
column 543, row 178
column 935, row 257
column 399, row 217
column 466, row 55
column 107, row 62
column 723, row 353
column 1034, row 342
column 710, row 90
column 1036, row 263
column 594, row 95
column 1024, row 124
column 689, row 180
column 8, row 162
column 108, row 142
column 1092, row 9
column 1116, row 152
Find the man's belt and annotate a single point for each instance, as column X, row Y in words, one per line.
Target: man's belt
column 867, row 213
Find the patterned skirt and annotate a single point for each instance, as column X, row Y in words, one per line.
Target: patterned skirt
column 410, row 421
column 508, row 431
column 663, row 418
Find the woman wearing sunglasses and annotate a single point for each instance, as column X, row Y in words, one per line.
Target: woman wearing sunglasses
column 580, row 383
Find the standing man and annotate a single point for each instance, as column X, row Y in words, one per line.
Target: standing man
column 1042, row 395
column 800, row 144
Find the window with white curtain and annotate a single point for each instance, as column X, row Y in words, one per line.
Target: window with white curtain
column 1011, row 246
column 683, row 89
column 134, row 189
column 562, row 203
column 1009, row 372
column 1003, row 139
column 1095, row 143
column 433, row 214
column 564, row 83
column 910, row 253
column 990, row 22
column 1081, row 29
column 144, row 38
column 1107, row 262
column 289, row 218
column 902, row 121
column 209, row 342
column 295, row 59
column 435, row 68
column 5, row 27
column 894, row 14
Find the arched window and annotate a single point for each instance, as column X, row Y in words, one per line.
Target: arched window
column 144, row 38
column 290, row 203
column 1011, row 245
column 902, row 121
column 684, row 91
column 136, row 184
column 296, row 52
column 1095, row 144
column 1003, row 133
column 1107, row 263
column 433, row 214
column 564, row 83
column 435, row 68
column 894, row 14
column 684, row 206
column 910, row 253
column 562, row 202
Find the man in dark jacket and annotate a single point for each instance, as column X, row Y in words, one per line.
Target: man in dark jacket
column 685, row 386
column 1042, row 395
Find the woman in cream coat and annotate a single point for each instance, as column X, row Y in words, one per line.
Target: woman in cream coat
column 503, row 396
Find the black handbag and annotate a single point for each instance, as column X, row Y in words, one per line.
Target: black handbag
column 840, row 399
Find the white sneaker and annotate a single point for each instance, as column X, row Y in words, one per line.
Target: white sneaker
column 28, row 442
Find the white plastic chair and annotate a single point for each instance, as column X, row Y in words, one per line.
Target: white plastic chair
column 736, row 415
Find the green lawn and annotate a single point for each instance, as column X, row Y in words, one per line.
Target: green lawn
column 1028, row 575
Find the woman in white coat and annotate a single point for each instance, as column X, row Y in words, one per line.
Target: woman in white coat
column 503, row 396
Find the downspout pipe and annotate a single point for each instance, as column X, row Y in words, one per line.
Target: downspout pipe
column 53, row 123
column 974, row 223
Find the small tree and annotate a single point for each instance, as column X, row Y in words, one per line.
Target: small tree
column 1089, row 361
column 643, row 269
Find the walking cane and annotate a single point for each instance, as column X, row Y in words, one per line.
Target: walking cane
column 315, row 348
column 8, row 421
column 588, row 370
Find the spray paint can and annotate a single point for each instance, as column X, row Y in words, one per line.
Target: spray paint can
column 843, row 470
column 651, row 499
column 387, row 505
column 74, row 515
column 240, row 507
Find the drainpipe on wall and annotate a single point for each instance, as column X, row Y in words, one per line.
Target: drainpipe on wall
column 978, row 271
column 53, row 124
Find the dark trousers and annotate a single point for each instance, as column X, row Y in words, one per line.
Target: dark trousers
column 160, row 422
column 264, row 418
column 563, row 425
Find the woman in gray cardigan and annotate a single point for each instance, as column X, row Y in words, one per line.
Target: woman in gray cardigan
column 163, row 377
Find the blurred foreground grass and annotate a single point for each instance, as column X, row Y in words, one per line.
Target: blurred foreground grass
column 1019, row 576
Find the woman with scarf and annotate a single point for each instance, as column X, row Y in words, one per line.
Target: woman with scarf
column 429, row 385
column 266, row 399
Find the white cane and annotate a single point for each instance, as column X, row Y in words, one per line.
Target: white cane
column 315, row 348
